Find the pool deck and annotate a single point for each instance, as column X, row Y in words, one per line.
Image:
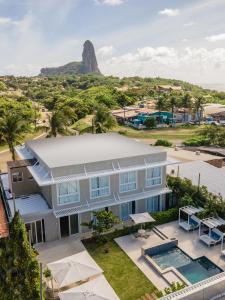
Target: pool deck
column 188, row 241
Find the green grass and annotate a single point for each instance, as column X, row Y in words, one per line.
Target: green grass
column 124, row 276
column 160, row 133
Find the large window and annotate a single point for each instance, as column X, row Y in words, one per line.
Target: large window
column 68, row 192
column 128, row 181
column 99, row 187
column 17, row 177
column 153, row 204
column 154, row 176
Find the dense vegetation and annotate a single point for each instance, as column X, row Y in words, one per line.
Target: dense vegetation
column 19, row 269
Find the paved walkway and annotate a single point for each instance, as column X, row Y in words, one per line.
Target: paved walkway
column 132, row 247
column 52, row 251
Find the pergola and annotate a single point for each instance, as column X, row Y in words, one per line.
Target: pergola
column 214, row 235
column 190, row 211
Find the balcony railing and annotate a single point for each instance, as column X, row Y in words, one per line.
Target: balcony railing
column 116, row 199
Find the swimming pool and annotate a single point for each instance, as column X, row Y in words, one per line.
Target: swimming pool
column 194, row 270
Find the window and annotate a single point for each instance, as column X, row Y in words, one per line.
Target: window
column 153, row 176
column 68, row 192
column 128, row 181
column 99, row 187
column 152, row 204
column 17, row 177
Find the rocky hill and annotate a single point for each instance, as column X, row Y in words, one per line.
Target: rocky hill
column 87, row 65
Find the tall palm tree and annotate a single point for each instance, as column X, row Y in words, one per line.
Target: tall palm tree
column 173, row 103
column 12, row 130
column 198, row 105
column 186, row 103
column 102, row 121
column 160, row 105
column 60, row 120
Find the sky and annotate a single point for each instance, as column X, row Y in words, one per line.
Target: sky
column 178, row 39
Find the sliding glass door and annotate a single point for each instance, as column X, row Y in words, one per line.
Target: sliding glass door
column 69, row 225
column 36, row 231
column 126, row 209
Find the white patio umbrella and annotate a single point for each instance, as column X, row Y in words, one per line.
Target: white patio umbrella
column 95, row 289
column 75, row 268
column 142, row 218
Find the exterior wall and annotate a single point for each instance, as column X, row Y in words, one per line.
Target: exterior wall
column 114, row 189
column 25, row 187
column 85, row 218
column 51, row 225
column 46, row 191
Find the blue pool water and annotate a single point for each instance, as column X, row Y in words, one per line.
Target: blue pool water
column 194, row 270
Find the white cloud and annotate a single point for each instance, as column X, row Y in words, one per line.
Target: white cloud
column 8, row 21
column 191, row 64
column 105, row 51
column 216, row 37
column 170, row 12
column 189, row 24
column 110, row 2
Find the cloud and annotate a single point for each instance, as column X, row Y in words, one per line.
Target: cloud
column 8, row 21
column 170, row 12
column 216, row 37
column 110, row 2
column 189, row 24
column 105, row 51
column 190, row 64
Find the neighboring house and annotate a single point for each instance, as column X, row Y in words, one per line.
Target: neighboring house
column 60, row 182
column 201, row 173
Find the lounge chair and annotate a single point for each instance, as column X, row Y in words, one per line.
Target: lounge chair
column 216, row 235
column 207, row 240
column 193, row 224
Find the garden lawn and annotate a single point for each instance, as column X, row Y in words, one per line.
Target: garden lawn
column 124, row 276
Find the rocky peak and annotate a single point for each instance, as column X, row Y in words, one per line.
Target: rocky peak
column 89, row 60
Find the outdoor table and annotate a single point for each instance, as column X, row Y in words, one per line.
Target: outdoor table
column 141, row 232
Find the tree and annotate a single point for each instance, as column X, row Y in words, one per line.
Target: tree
column 102, row 222
column 150, row 122
column 173, row 103
column 160, row 105
column 19, row 269
column 12, row 129
column 198, row 105
column 186, row 103
column 60, row 119
column 102, row 121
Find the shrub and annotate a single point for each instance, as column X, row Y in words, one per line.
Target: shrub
column 197, row 141
column 150, row 122
column 164, row 143
column 166, row 216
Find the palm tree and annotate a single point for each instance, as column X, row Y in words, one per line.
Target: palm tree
column 160, row 105
column 12, row 130
column 60, row 120
column 186, row 103
column 173, row 103
column 199, row 102
column 102, row 121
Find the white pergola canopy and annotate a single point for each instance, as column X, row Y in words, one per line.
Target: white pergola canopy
column 75, row 268
column 191, row 210
column 142, row 218
column 95, row 289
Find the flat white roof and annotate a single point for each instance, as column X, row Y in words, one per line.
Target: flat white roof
column 31, row 204
column 88, row 148
column 211, row 177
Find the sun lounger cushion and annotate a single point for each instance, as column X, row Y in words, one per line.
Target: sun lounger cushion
column 215, row 236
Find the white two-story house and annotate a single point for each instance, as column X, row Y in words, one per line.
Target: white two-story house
column 59, row 182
